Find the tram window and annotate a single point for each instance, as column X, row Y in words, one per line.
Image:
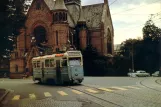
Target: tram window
column 74, row 61
column 34, row 65
column 51, row 62
column 64, row 62
column 38, row 64
column 47, row 62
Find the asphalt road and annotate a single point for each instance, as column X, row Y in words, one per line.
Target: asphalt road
column 94, row 92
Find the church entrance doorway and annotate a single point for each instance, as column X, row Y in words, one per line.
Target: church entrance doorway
column 40, row 37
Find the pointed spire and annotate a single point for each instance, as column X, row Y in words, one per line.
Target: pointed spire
column 105, row 1
column 59, row 5
column 81, row 17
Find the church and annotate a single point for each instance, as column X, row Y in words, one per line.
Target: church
column 54, row 25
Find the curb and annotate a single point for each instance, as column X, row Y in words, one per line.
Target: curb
column 4, row 95
column 30, row 77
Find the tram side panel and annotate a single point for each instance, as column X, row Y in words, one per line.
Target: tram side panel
column 49, row 69
column 64, row 70
column 37, row 74
column 76, row 69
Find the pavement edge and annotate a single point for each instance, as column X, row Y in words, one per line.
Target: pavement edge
column 4, row 95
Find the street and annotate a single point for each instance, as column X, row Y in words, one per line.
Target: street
column 93, row 92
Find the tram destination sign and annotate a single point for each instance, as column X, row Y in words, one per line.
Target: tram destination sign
column 74, row 53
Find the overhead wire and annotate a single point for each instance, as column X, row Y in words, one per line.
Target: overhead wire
column 136, row 7
column 133, row 28
column 113, row 2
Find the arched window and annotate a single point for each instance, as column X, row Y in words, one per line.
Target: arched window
column 16, row 68
column 57, row 40
column 56, row 17
column 38, row 5
column 64, row 17
column 60, row 16
column 109, row 42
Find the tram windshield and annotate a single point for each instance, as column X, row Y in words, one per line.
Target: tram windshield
column 74, row 61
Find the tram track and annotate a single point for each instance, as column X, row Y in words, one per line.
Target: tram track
column 156, row 81
column 107, row 92
column 95, row 96
column 120, row 94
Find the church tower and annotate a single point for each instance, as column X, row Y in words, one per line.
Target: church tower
column 78, row 2
column 82, row 35
column 60, row 26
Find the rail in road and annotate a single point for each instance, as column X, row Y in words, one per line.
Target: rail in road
column 99, row 94
column 89, row 91
column 157, row 81
column 92, row 91
column 113, row 90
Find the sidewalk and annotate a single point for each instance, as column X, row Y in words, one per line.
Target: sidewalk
column 3, row 93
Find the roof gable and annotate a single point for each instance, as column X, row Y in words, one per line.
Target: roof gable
column 34, row 3
column 50, row 4
column 93, row 15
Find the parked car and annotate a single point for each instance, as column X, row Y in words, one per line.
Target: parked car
column 156, row 74
column 139, row 73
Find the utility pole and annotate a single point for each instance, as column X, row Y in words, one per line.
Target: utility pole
column 132, row 57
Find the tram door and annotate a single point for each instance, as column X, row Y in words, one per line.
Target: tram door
column 42, row 68
column 58, row 71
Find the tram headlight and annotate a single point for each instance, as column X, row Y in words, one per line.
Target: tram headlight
column 76, row 74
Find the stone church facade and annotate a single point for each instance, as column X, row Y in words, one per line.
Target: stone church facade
column 57, row 24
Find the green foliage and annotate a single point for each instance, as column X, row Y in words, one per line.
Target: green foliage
column 151, row 31
column 12, row 18
column 146, row 52
column 94, row 64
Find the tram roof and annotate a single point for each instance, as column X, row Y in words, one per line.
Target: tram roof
column 54, row 55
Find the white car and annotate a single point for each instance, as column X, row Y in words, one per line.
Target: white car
column 156, row 74
column 139, row 73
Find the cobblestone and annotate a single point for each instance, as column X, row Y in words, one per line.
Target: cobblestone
column 49, row 103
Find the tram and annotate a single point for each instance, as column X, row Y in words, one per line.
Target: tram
column 61, row 68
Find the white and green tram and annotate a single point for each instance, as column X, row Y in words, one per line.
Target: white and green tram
column 61, row 68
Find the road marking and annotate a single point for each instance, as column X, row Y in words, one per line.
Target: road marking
column 120, row 88
column 62, row 93
column 92, row 91
column 106, row 89
column 132, row 87
column 16, row 97
column 77, row 92
column 47, row 94
column 32, row 96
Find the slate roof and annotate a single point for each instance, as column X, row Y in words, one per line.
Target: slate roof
column 50, row 4
column 92, row 13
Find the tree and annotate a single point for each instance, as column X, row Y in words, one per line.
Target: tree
column 146, row 52
column 150, row 31
column 12, row 18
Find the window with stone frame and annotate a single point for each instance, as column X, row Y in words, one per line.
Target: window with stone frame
column 16, row 68
column 38, row 4
column 57, row 39
column 64, row 17
column 60, row 16
column 109, row 42
column 16, row 54
column 56, row 17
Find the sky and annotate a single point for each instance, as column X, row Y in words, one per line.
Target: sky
column 129, row 16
